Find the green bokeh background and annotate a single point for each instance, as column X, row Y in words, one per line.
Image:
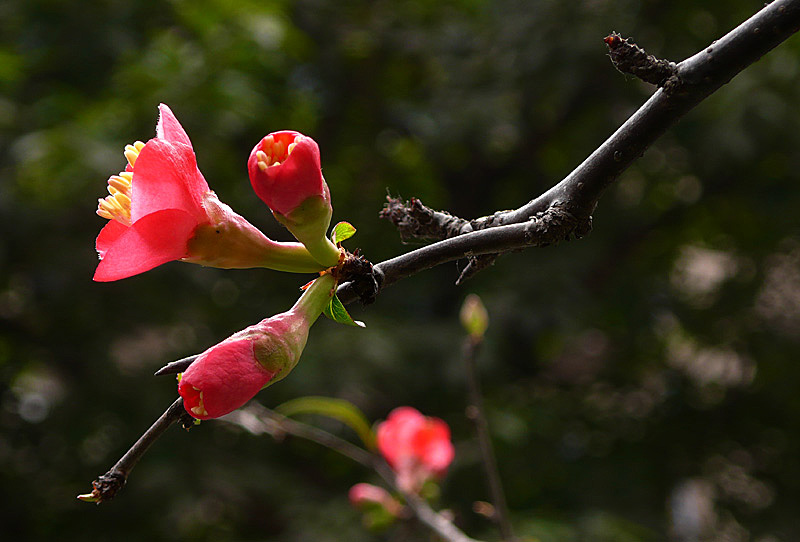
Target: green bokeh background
column 634, row 379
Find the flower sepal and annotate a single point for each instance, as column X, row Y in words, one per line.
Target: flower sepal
column 309, row 223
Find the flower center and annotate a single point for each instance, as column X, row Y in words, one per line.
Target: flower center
column 199, row 409
column 192, row 398
column 273, row 152
column 117, row 205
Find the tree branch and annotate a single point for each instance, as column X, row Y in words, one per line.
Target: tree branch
column 693, row 80
column 107, row 485
column 258, row 420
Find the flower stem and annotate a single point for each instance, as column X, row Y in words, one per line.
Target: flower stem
column 323, row 250
column 315, row 298
column 294, row 258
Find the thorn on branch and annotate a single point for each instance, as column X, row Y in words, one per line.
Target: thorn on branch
column 175, row 367
column 629, row 58
column 475, row 265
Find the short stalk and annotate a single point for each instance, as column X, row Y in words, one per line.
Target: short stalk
column 315, row 298
column 323, row 250
column 293, row 258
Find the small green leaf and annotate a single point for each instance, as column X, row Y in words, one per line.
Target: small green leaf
column 336, row 312
column 342, row 231
column 338, row 409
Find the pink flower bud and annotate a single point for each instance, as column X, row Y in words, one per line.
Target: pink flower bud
column 227, row 375
column 363, row 496
column 222, row 379
column 285, row 171
column 415, row 446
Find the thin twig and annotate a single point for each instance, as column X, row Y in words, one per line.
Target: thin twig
column 477, row 413
column 258, row 419
column 177, row 366
column 107, row 485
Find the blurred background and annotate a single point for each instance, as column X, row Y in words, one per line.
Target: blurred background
column 641, row 383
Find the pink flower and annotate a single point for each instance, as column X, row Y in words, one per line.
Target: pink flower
column 417, row 447
column 227, row 375
column 285, row 172
column 363, row 496
column 161, row 209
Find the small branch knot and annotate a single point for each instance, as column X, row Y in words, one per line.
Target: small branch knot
column 107, row 486
column 366, row 280
column 557, row 224
column 629, row 58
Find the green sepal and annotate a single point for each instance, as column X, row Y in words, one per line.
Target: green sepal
column 342, row 232
column 336, row 312
column 338, row 409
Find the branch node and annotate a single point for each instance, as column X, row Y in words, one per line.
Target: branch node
column 365, row 278
column 107, row 486
column 629, row 58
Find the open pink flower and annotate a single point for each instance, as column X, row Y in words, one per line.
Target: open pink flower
column 285, row 172
column 227, row 375
column 161, row 209
column 417, row 447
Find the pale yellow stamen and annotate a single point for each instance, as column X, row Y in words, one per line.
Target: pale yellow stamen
column 274, row 153
column 132, row 152
column 117, row 205
column 199, row 410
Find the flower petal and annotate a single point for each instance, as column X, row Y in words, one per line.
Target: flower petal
column 108, row 236
column 432, row 445
column 166, row 177
column 169, row 128
column 155, row 239
column 396, row 433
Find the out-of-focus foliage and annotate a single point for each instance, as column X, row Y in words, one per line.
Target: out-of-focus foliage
column 641, row 383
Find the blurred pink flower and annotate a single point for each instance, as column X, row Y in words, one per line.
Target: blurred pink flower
column 417, row 447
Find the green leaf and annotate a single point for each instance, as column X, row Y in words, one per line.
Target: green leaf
column 342, row 231
column 336, row 312
column 338, row 409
